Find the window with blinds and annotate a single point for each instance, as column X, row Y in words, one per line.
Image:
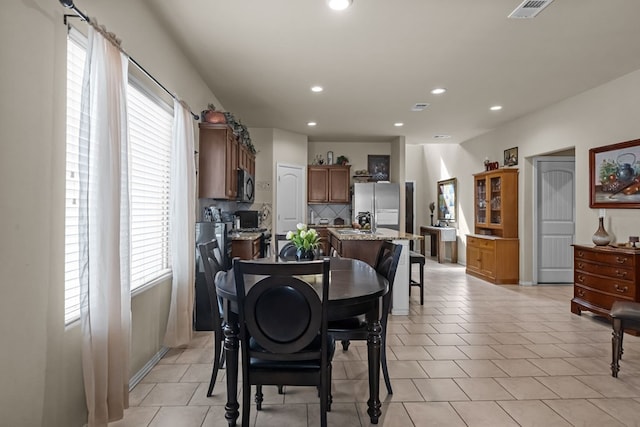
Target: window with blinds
column 150, row 132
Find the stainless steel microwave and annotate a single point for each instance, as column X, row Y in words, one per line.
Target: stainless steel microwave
column 246, row 186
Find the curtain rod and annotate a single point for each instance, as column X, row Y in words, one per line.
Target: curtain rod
column 69, row 5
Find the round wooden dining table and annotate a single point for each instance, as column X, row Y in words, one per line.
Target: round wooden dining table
column 355, row 288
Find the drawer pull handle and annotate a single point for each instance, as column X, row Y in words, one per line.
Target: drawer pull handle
column 580, row 265
column 581, row 278
column 621, row 290
column 580, row 292
column 621, row 260
column 621, row 273
column 580, row 253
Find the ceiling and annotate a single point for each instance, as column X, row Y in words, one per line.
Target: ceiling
column 380, row 57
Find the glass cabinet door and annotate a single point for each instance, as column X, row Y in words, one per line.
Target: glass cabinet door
column 481, row 201
column 495, row 200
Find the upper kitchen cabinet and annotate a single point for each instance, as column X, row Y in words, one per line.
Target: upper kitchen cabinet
column 328, row 184
column 220, row 157
column 246, row 159
column 496, row 203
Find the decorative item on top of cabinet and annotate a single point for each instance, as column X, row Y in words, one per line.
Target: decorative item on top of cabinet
column 493, row 251
column 328, row 184
column 602, row 275
column 211, row 115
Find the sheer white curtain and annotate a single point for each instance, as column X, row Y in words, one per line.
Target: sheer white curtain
column 182, row 227
column 105, row 304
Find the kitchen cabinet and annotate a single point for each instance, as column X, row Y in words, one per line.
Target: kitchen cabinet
column 246, row 248
column 603, row 275
column 220, row 156
column 328, row 184
column 246, row 159
column 493, row 251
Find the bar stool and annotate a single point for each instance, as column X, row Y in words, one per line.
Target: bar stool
column 417, row 258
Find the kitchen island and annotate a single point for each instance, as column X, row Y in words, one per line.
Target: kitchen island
column 364, row 245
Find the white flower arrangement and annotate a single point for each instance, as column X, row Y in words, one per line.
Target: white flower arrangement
column 303, row 238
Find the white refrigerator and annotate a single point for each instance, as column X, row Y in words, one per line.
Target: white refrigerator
column 381, row 199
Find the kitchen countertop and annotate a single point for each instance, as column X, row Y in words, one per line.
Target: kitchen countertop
column 328, row 226
column 380, row 234
column 245, row 235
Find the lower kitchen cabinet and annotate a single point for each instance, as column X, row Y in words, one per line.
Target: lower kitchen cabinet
column 603, row 275
column 245, row 248
column 494, row 259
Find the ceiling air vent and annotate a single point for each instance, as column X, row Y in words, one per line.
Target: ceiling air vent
column 419, row 106
column 529, row 8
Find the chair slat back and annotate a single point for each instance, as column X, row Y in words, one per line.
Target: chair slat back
column 387, row 265
column 281, row 311
column 211, row 267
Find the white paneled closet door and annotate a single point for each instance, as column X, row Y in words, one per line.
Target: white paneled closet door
column 291, row 195
column 555, row 219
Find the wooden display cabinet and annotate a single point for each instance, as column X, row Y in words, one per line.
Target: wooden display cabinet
column 493, row 251
column 496, row 203
column 328, row 184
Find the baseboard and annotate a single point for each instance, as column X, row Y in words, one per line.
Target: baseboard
column 133, row 381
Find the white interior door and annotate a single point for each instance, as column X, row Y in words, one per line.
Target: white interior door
column 291, row 194
column 555, row 219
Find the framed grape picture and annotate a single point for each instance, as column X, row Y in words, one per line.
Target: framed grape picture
column 614, row 175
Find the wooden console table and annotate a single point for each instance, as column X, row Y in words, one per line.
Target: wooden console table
column 439, row 236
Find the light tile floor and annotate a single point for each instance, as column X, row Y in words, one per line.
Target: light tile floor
column 475, row 354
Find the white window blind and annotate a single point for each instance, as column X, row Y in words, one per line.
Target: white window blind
column 150, row 132
column 76, row 53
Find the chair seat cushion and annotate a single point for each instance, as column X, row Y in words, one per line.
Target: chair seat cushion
column 626, row 310
column 416, row 257
column 256, row 362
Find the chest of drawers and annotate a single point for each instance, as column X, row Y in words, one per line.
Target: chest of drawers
column 602, row 275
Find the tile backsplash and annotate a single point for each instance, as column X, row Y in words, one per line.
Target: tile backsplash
column 330, row 212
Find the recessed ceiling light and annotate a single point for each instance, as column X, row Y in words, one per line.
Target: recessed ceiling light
column 398, row 124
column 316, row 89
column 441, row 136
column 439, row 91
column 311, row 124
column 496, row 108
column 339, row 4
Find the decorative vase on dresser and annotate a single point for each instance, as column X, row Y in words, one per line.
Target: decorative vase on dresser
column 602, row 275
column 601, row 237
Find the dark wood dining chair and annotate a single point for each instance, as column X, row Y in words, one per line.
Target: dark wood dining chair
column 355, row 328
column 283, row 329
column 624, row 315
column 211, row 267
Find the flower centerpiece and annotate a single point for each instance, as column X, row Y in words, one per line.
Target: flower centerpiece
column 305, row 240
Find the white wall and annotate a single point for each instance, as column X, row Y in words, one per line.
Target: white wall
column 41, row 370
column 602, row 116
